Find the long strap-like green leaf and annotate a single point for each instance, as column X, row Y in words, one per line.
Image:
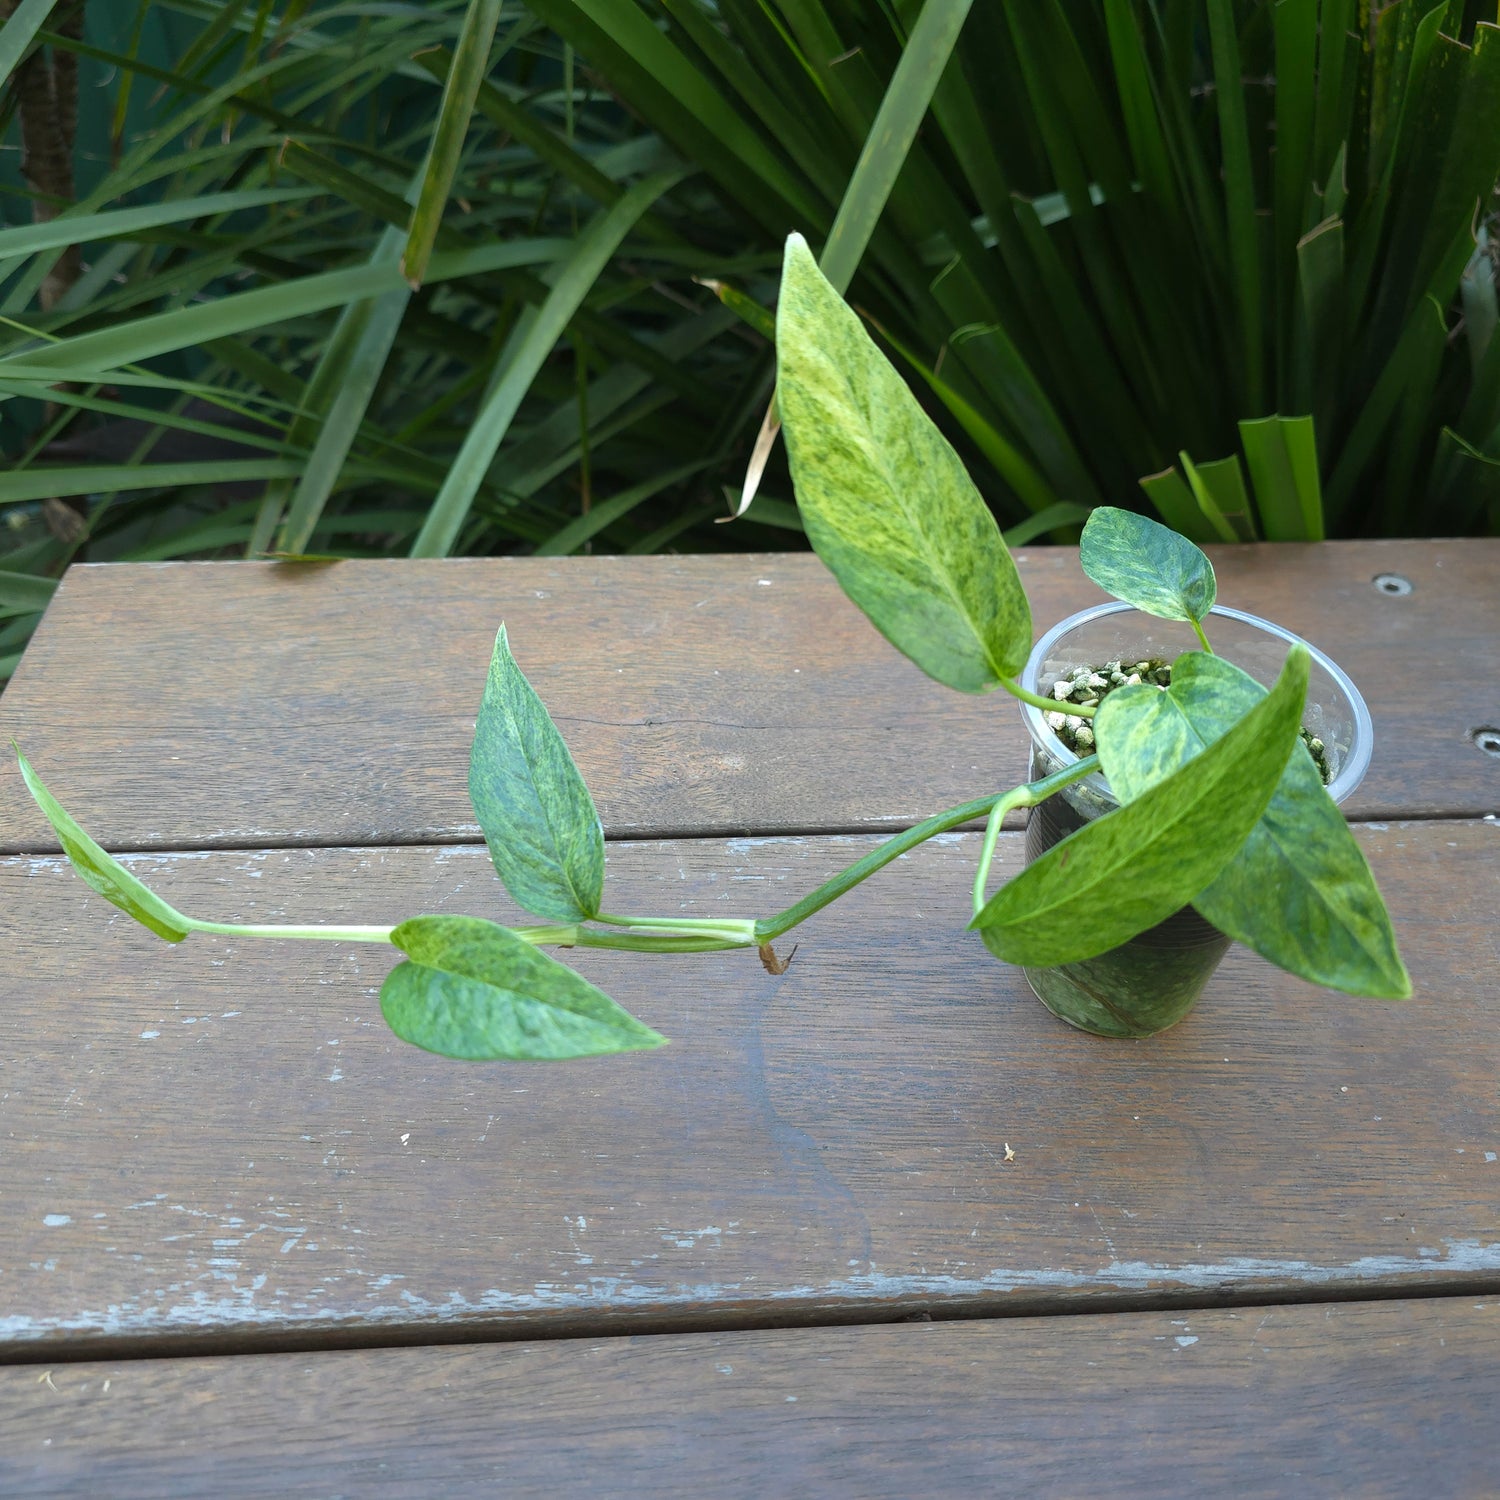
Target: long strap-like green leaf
column 534, row 339
column 17, row 33
column 884, row 153
column 470, row 62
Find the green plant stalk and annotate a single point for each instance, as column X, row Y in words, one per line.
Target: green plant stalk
column 1015, row 689
column 729, row 926
column 902, row 843
column 1023, row 796
column 1202, row 638
column 709, row 934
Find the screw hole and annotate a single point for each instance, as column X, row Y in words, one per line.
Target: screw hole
column 1392, row 583
column 1487, row 739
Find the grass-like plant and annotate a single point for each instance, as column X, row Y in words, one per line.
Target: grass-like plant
column 1137, row 238
column 1221, row 806
column 334, row 280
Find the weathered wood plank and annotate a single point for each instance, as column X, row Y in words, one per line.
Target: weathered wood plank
column 220, row 1144
column 191, row 705
column 1371, row 1399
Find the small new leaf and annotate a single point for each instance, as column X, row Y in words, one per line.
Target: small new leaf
column 1134, row 867
column 885, row 500
column 1298, row 891
column 107, row 875
column 538, row 818
column 1147, row 564
column 472, row 989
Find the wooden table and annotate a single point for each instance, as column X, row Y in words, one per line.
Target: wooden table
column 877, row 1226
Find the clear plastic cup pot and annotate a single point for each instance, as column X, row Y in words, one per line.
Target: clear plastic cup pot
column 1151, row 982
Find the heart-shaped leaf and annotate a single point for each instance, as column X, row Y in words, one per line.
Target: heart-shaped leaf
column 107, row 875
column 884, row 498
column 1135, row 866
column 1146, row 564
column 1298, row 891
column 538, row 818
column 473, row 989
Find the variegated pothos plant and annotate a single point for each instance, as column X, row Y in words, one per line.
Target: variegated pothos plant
column 1219, row 805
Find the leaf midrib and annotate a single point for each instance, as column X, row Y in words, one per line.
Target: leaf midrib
column 936, row 564
column 1281, row 850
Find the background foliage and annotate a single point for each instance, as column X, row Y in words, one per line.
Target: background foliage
column 1134, row 229
column 366, row 278
column 232, row 362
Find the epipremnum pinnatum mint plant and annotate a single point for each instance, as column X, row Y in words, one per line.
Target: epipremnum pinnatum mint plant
column 1220, row 805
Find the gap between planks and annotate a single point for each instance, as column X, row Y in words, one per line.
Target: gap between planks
column 420, row 1334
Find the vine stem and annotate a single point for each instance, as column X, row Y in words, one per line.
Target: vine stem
column 718, row 934
column 1202, row 637
column 894, row 848
column 1052, row 705
column 701, row 937
column 732, row 929
column 333, row 934
column 1023, row 796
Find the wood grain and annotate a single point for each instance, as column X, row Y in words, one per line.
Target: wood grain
column 219, row 1146
column 189, row 705
column 1370, row 1399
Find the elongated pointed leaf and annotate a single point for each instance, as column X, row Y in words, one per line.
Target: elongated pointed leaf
column 1282, row 455
column 885, row 499
column 1219, row 488
column 1147, row 564
column 538, row 818
column 1169, row 493
column 471, row 59
column 535, row 336
column 472, row 989
column 16, row 35
column 1298, row 891
column 107, row 876
column 1134, row 867
column 25, row 591
column 902, row 110
column 81, row 229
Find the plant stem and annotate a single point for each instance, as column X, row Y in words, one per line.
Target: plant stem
column 894, row 848
column 1203, row 639
column 1052, row 705
column 731, row 929
column 334, row 934
column 714, row 935
column 1023, row 796
column 718, row 939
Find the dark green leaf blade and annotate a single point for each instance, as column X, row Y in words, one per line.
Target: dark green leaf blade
column 470, row 59
column 1134, row 867
column 885, row 499
column 1298, row 891
column 1147, row 564
column 106, row 875
column 538, row 818
column 474, row 990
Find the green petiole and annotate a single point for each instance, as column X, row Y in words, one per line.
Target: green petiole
column 332, row 934
column 1078, row 710
column 1027, row 795
column 733, row 930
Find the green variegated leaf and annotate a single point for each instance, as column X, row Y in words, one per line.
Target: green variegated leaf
column 473, row 989
column 1146, row 564
column 1298, row 891
column 1134, row 867
column 884, row 498
column 538, row 818
column 107, row 875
